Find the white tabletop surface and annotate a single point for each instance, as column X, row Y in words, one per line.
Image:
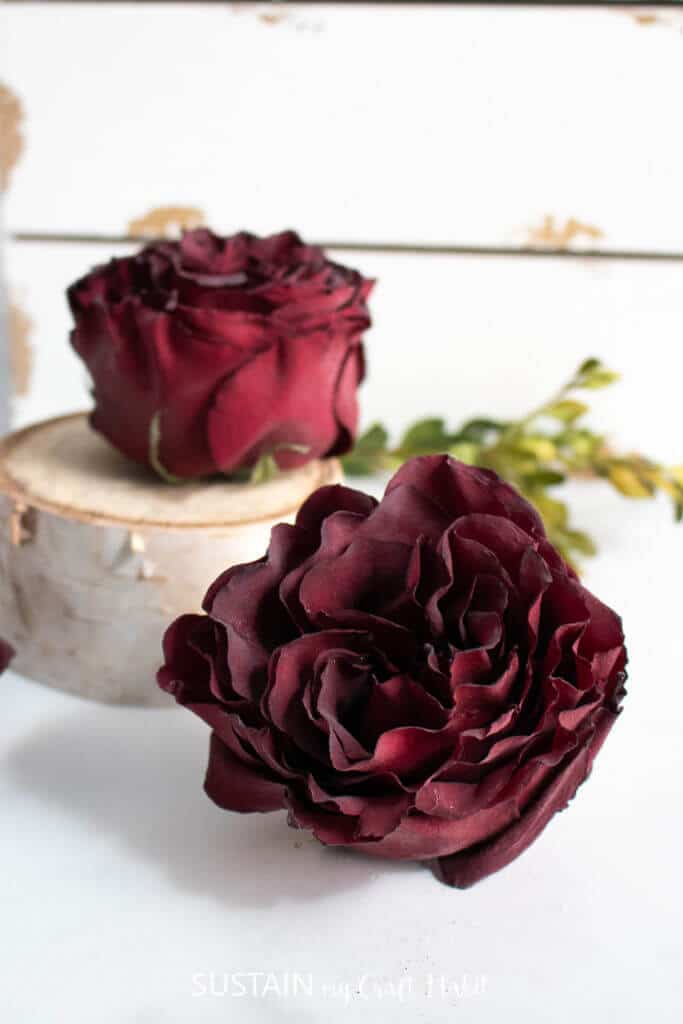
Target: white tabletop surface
column 128, row 897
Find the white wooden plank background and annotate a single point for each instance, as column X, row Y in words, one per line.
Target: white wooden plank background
column 441, row 324
column 456, row 126
column 459, row 125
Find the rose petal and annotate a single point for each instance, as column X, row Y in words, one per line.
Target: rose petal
column 235, row 786
column 464, row 869
column 270, row 405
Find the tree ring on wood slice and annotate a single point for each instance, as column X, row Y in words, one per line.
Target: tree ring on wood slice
column 97, row 555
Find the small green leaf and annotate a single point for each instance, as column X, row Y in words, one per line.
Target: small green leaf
column 508, row 461
column 544, row 478
column 554, row 513
column 627, row 482
column 583, row 443
column 369, row 454
column 264, row 470
column 669, row 487
column 600, row 379
column 154, row 448
column 581, row 542
column 425, row 436
column 479, row 430
column 356, row 465
column 540, row 447
column 567, row 410
column 594, row 374
column 375, row 439
column 466, row 451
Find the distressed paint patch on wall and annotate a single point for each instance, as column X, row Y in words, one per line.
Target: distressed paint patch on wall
column 648, row 16
column 278, row 14
column 555, row 235
column 274, row 17
column 166, row 222
column 11, row 138
column 19, row 327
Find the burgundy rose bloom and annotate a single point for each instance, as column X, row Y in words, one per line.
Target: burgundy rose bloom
column 210, row 352
column 422, row 678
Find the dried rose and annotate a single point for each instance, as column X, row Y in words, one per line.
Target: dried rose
column 210, row 352
column 420, row 678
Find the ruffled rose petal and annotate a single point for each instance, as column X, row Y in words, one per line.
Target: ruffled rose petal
column 464, row 869
column 400, row 701
column 424, row 837
column 271, row 405
column 235, row 786
column 405, row 515
column 331, row 499
column 296, row 666
column 185, row 673
column 459, row 490
column 340, row 820
column 363, row 572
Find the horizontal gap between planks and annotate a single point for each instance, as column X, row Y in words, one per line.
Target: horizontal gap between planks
column 618, row 4
column 399, row 248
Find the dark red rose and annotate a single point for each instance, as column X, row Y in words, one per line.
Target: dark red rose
column 210, row 352
column 420, row 678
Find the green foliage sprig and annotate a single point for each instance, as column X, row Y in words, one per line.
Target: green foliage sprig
column 536, row 453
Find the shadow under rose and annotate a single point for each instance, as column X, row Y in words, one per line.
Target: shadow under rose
column 137, row 774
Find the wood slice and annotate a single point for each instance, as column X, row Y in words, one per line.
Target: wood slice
column 97, row 555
